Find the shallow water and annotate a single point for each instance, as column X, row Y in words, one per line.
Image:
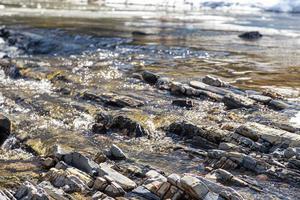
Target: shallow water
column 97, row 52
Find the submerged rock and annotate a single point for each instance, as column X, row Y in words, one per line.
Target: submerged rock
column 150, row 77
column 5, row 128
column 251, row 35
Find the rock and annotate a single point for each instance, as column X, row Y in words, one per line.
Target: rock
column 226, row 177
column 142, row 192
column 114, row 190
column 208, row 87
column 54, row 193
column 117, row 153
column 139, row 33
column 81, row 162
column 289, row 153
column 70, row 180
column 261, row 98
column 100, row 157
column 4, row 32
column 153, row 175
column 10, row 69
column 29, row 191
column 174, row 179
column 100, row 184
column 251, row 35
column 5, row 128
column 187, row 103
column 163, row 83
column 214, row 81
column 150, row 77
column 153, row 185
column 227, row 146
column 194, row 187
column 101, row 196
column 129, row 126
column 233, row 101
column 278, row 105
column 48, row 162
column 6, row 195
column 257, row 131
column 164, row 188
column 173, row 193
column 122, row 180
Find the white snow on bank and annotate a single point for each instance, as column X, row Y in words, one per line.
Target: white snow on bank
column 268, row 5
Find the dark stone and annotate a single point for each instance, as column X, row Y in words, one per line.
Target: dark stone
column 138, row 33
column 150, row 77
column 278, row 105
column 233, row 101
column 4, row 32
column 5, row 128
column 10, row 69
column 187, row 103
column 142, row 192
column 131, row 128
column 252, row 35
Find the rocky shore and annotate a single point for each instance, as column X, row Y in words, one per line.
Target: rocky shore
column 236, row 149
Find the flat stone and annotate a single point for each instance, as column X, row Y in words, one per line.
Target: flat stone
column 203, row 86
column 122, row 180
column 194, row 187
column 257, row 131
column 214, row 81
column 278, row 105
column 173, row 179
column 153, row 175
column 233, row 101
column 251, row 35
column 142, row 192
column 114, row 190
column 260, row 98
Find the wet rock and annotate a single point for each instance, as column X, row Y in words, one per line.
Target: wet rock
column 139, row 33
column 81, row 162
column 261, row 98
column 278, row 105
column 122, row 180
column 142, row 192
column 214, row 81
column 150, row 77
column 5, row 128
column 29, row 191
column 101, row 196
column 257, row 131
column 54, row 193
column 187, row 103
column 209, row 87
column 163, row 83
column 153, row 175
column 252, row 35
column 194, row 187
column 129, row 126
column 10, row 69
column 114, row 190
column 117, row 153
column 233, row 101
column 6, row 195
column 4, row 32
column 100, row 184
column 70, row 180
column 289, row 153
column 190, row 130
column 228, row 146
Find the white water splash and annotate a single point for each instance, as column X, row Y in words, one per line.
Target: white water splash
column 296, row 119
column 83, row 122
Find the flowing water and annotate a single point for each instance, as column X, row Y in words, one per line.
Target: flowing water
column 91, row 48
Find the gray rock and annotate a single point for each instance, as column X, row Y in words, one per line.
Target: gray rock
column 100, row 184
column 278, row 105
column 5, row 128
column 233, row 101
column 289, row 153
column 6, row 195
column 214, row 81
column 29, row 191
column 153, row 175
column 174, row 179
column 122, row 180
column 142, row 192
column 187, row 103
column 114, row 190
column 54, row 193
column 251, row 35
column 260, row 98
column 117, row 153
column 101, row 196
column 194, row 187
column 150, row 77
column 203, row 86
column 81, row 162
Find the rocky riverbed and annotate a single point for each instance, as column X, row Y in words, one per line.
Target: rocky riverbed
column 91, row 117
